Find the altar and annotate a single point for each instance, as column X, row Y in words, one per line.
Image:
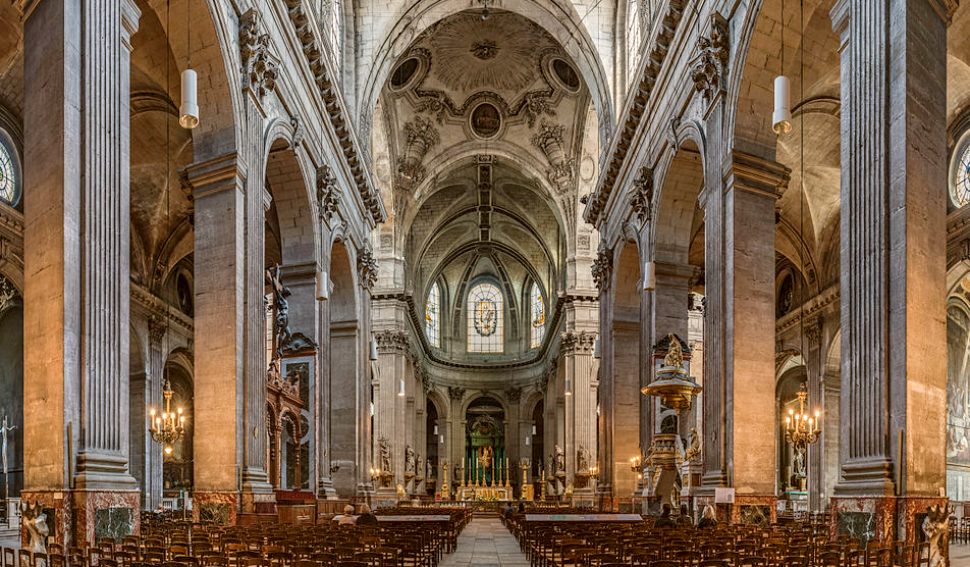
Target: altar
column 485, row 493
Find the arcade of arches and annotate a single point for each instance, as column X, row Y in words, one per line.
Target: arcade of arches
column 433, row 250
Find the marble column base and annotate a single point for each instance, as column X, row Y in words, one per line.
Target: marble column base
column 326, row 490
column 59, row 506
column 754, row 509
column 217, row 507
column 106, row 514
column 882, row 518
column 258, row 499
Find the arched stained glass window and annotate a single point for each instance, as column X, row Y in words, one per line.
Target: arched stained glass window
column 960, row 191
column 432, row 316
column 9, row 184
column 538, row 316
column 485, row 323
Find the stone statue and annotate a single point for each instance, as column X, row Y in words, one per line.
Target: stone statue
column 385, row 455
column 582, row 459
column 5, row 428
column 35, row 521
column 281, row 306
column 420, row 468
column 936, row 525
column 694, row 450
column 409, row 459
column 675, row 356
column 560, row 462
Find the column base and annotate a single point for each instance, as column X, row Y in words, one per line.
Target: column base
column 883, row 518
column 59, row 507
column 214, row 506
column 106, row 514
column 754, row 509
column 326, row 490
column 258, row 498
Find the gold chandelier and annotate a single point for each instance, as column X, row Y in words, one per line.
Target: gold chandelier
column 168, row 427
column 802, row 429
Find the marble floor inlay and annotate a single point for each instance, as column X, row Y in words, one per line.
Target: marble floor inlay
column 486, row 543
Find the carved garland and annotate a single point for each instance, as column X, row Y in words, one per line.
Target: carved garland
column 391, row 341
column 259, row 64
column 642, row 201
column 708, row 69
column 328, row 195
column 581, row 342
column 367, row 268
column 602, row 269
column 635, row 111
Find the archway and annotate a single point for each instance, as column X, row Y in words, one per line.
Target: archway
column 485, row 447
column 537, row 439
column 433, row 436
column 177, row 471
column 140, row 449
column 344, row 372
column 627, row 358
column 792, row 467
column 12, row 382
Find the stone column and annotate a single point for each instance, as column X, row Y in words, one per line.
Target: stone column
column 324, row 423
column 218, row 196
column 892, row 281
column 76, row 315
column 580, row 422
column 154, row 383
column 739, row 370
column 814, row 366
column 389, row 406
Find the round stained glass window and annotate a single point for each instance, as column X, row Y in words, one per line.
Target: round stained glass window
column 9, row 192
column 960, row 190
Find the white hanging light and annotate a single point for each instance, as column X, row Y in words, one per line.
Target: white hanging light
column 435, row 429
column 373, row 349
column 323, row 286
column 649, row 276
column 781, row 118
column 533, row 429
column 569, row 387
column 400, row 392
column 597, row 348
column 189, row 110
column 526, row 440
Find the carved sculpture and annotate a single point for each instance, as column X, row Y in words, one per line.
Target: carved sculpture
column 280, row 293
column 602, row 269
column 328, row 195
column 675, row 354
column 936, row 525
column 582, row 459
column 254, row 47
column 409, row 460
column 35, row 521
column 385, row 455
column 367, row 269
column 560, row 462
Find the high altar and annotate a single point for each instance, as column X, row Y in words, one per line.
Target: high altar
column 485, row 473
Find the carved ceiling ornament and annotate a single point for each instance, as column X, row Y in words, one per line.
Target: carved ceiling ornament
column 602, row 269
column 367, row 269
column 259, row 64
column 561, row 170
column 455, row 393
column 328, row 194
column 420, row 136
column 642, row 201
column 709, row 66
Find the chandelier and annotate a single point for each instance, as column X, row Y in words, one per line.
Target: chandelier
column 168, row 427
column 801, row 429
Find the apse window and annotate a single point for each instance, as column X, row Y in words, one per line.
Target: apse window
column 9, row 182
column 485, row 332
column 432, row 316
column 960, row 175
column 538, row 316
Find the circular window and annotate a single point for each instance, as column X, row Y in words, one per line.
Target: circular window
column 565, row 74
column 404, row 72
column 9, row 181
column 486, row 120
column 960, row 175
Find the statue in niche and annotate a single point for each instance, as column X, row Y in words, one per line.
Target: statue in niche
column 281, row 306
column 675, row 354
column 560, row 464
column 385, row 455
column 35, row 521
column 409, row 461
column 419, row 468
column 582, row 459
column 694, row 449
column 935, row 526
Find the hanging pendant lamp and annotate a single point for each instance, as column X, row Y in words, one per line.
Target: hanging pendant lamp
column 189, row 109
column 781, row 117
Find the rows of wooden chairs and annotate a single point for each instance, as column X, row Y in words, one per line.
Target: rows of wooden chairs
column 171, row 542
column 793, row 544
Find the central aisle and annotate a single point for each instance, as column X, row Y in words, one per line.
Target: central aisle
column 486, row 543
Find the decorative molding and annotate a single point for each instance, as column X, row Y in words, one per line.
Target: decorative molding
column 642, row 201
column 328, row 194
column 420, row 136
column 550, row 139
column 157, row 328
column 513, row 394
column 633, row 113
column 9, row 296
column 577, row 343
column 708, row 69
column 456, row 393
column 389, row 341
column 259, row 64
column 300, row 15
column 367, row 268
column 602, row 269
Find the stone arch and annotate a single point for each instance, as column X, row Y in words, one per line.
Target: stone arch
column 289, row 183
column 786, row 389
column 12, row 378
column 680, row 183
column 344, row 371
column 562, row 22
column 177, row 468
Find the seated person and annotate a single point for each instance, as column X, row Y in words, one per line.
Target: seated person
column 708, row 520
column 347, row 518
column 684, row 518
column 366, row 518
column 665, row 520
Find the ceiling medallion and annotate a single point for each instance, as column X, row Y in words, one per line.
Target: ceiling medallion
column 484, row 50
column 486, row 120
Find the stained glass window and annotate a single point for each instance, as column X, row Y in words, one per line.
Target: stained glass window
column 538, row 317
column 961, row 180
column 485, row 325
column 432, row 316
column 9, row 191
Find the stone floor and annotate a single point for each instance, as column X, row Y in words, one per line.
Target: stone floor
column 959, row 555
column 486, row 543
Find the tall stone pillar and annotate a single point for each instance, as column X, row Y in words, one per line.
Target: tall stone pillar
column 218, row 187
column 389, row 406
column 814, row 366
column 76, row 314
column 154, row 382
column 580, row 422
column 893, row 264
column 739, row 333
